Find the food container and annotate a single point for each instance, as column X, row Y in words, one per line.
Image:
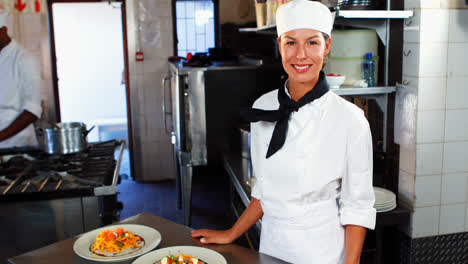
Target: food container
column 260, row 12
column 353, row 43
column 335, row 81
column 350, row 67
column 63, row 138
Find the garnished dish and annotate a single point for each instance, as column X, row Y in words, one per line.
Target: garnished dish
column 180, row 259
column 182, row 255
column 116, row 241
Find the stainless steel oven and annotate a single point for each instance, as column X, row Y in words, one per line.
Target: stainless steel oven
column 198, row 112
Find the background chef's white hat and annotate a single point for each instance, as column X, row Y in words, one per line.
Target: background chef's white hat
column 3, row 19
column 299, row 14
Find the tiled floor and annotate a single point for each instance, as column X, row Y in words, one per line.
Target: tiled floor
column 209, row 200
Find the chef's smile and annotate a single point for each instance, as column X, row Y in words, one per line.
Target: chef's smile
column 301, row 68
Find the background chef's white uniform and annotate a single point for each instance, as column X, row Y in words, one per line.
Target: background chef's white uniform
column 19, row 91
column 319, row 181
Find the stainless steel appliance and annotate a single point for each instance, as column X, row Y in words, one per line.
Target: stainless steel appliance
column 199, row 111
column 52, row 197
column 63, row 138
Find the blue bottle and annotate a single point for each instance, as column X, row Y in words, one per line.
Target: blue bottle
column 368, row 67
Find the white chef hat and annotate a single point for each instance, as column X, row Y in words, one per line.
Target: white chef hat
column 299, row 14
column 3, row 19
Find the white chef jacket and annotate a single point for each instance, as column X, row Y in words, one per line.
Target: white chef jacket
column 19, row 90
column 318, row 182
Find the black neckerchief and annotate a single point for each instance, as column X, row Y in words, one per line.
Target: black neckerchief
column 281, row 116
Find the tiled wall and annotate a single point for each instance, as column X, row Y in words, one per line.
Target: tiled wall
column 152, row 147
column 434, row 171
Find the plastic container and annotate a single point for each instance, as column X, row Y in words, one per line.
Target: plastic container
column 260, row 12
column 351, row 43
column 368, row 70
column 271, row 12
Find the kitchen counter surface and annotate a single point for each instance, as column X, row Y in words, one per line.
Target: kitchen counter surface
column 172, row 235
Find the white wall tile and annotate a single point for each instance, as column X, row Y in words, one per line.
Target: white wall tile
column 456, row 125
column 406, row 185
column 452, row 218
column 410, row 4
column 429, row 158
column 433, row 59
column 431, row 93
column 454, row 188
column 458, row 25
column 430, row 126
column 407, row 160
column 453, row 4
column 434, row 25
column 411, row 59
column 457, row 92
column 427, row 190
column 457, row 59
column 455, row 157
column 426, row 221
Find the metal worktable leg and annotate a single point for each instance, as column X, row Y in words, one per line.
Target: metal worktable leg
column 186, row 185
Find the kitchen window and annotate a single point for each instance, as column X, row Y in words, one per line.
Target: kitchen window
column 195, row 26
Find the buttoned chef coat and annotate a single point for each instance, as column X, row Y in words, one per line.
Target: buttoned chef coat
column 318, row 182
column 19, row 91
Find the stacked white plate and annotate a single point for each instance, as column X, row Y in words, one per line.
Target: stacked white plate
column 385, row 200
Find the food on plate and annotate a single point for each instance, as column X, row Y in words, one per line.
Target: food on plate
column 180, row 259
column 332, row 74
column 116, row 241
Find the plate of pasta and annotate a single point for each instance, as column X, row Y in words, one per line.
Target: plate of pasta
column 117, row 242
column 182, row 255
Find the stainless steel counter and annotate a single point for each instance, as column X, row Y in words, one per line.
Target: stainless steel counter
column 172, row 235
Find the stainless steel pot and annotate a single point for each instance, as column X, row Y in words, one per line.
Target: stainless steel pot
column 63, row 138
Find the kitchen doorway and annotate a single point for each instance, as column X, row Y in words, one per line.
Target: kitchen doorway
column 89, row 59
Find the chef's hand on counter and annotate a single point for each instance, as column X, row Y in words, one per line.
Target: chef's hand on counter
column 250, row 216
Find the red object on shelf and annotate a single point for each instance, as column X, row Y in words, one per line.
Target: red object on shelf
column 139, row 56
column 20, row 6
column 189, row 56
column 37, row 6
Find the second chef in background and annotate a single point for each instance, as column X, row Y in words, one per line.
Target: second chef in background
column 20, row 101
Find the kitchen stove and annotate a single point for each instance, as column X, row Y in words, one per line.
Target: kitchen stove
column 53, row 197
column 28, row 174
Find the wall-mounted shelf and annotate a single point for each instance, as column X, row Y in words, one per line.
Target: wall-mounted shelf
column 364, row 91
column 375, row 14
column 258, row 29
column 342, row 17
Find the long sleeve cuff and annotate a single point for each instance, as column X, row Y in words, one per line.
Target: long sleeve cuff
column 361, row 217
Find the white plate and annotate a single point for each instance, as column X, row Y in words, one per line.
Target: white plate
column 151, row 236
column 383, row 196
column 381, row 210
column 204, row 254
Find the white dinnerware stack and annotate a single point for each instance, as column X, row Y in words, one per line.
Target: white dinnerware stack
column 385, row 200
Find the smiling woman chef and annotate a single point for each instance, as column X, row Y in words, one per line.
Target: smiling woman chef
column 311, row 154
